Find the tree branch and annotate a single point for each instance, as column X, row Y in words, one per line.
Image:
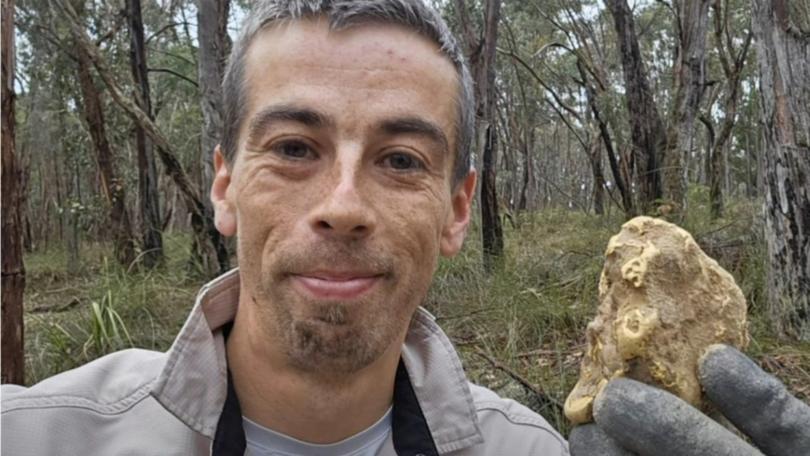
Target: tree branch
column 172, row 72
column 171, row 54
column 161, row 30
column 540, row 80
column 116, row 27
column 539, row 393
column 51, row 37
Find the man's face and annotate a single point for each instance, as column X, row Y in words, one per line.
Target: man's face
column 341, row 192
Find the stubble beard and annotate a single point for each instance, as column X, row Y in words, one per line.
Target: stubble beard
column 329, row 343
column 334, row 337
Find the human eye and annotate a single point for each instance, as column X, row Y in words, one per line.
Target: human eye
column 294, row 150
column 400, row 161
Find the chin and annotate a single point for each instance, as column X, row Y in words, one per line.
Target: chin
column 319, row 346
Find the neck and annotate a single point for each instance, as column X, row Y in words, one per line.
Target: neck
column 316, row 407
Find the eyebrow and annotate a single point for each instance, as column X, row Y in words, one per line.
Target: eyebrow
column 311, row 118
column 415, row 125
column 285, row 113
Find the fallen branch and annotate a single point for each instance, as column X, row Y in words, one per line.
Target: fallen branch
column 56, row 309
column 536, row 352
column 542, row 397
column 61, row 290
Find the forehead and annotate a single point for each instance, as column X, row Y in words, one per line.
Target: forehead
column 365, row 45
column 366, row 67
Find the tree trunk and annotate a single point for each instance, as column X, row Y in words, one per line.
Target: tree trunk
column 783, row 51
column 491, row 229
column 527, row 190
column 13, row 283
column 492, row 232
column 732, row 64
column 481, row 55
column 73, row 234
column 692, row 22
column 595, row 158
column 212, row 34
column 149, row 202
column 111, row 185
column 646, row 129
column 604, row 135
column 61, row 191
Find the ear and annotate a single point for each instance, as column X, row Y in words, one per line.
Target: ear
column 224, row 212
column 455, row 228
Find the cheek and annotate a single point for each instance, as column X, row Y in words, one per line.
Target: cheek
column 417, row 224
column 266, row 211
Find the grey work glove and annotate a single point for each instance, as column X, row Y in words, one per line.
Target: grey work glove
column 637, row 419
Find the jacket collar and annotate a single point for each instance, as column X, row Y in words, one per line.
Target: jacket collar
column 431, row 391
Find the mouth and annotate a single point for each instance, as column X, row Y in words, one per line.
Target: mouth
column 340, row 285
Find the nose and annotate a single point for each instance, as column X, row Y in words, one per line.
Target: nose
column 344, row 211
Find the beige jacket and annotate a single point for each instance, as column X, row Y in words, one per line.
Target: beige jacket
column 139, row 402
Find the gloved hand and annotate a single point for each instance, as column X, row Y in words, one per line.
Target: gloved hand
column 634, row 418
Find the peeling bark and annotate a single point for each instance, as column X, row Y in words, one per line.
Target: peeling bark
column 783, row 51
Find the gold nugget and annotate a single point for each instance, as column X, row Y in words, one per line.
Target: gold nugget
column 662, row 301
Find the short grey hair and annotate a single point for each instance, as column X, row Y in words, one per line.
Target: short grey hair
column 412, row 14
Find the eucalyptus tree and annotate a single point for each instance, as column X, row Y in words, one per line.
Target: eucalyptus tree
column 214, row 47
column 690, row 23
column 647, row 129
column 13, row 284
column 782, row 31
column 149, row 202
column 663, row 143
column 112, row 186
column 732, row 59
column 480, row 47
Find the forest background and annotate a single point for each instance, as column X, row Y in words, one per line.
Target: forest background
column 588, row 113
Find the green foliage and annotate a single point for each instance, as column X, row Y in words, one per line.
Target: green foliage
column 107, row 330
column 74, row 318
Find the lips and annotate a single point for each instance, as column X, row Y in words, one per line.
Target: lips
column 335, row 285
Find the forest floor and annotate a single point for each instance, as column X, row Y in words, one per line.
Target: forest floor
column 520, row 330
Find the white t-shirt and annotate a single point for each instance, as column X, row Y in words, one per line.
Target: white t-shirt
column 262, row 441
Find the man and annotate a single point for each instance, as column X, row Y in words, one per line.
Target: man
column 344, row 172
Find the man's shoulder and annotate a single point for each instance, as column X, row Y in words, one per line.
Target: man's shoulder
column 103, row 407
column 508, row 424
column 107, row 385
